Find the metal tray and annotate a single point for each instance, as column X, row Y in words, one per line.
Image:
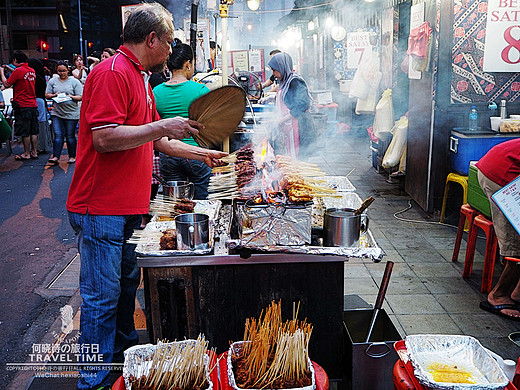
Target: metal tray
column 465, row 352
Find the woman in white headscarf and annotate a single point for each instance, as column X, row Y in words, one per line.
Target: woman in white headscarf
column 296, row 127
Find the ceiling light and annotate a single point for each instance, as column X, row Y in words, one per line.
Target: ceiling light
column 253, row 5
column 310, row 26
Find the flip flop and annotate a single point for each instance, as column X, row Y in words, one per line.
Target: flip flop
column 34, row 157
column 52, row 162
column 497, row 309
column 19, row 157
column 515, row 338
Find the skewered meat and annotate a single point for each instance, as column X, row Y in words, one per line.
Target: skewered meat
column 168, row 240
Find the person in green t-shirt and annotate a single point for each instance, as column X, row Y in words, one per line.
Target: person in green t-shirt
column 173, row 98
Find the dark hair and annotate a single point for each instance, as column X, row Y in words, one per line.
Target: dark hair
column 75, row 57
column 145, row 19
column 212, row 45
column 39, row 87
column 275, row 51
column 20, row 56
column 110, row 51
column 180, row 54
column 62, row 63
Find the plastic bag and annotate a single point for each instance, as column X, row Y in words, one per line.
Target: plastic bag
column 369, row 72
column 397, row 145
column 384, row 119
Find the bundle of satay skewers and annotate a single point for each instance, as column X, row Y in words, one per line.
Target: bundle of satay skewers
column 167, row 209
column 273, row 355
column 182, row 365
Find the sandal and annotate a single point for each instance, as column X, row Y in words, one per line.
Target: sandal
column 53, row 161
column 20, row 157
column 71, row 160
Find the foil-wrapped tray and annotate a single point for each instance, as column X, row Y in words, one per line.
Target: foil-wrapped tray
column 339, row 183
column 452, row 356
column 209, row 207
column 231, row 375
column 273, row 224
column 149, row 243
column 138, row 362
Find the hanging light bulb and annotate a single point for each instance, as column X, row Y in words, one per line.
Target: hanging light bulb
column 253, row 5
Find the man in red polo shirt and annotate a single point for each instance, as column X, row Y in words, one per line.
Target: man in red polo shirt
column 110, row 189
column 498, row 167
column 25, row 108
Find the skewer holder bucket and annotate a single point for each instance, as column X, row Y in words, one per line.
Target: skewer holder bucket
column 368, row 366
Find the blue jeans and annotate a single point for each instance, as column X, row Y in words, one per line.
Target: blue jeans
column 109, row 278
column 64, row 128
column 182, row 169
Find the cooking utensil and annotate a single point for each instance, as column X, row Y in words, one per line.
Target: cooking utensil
column 176, row 190
column 159, row 179
column 364, row 205
column 220, row 111
column 342, row 228
column 380, row 297
column 192, row 231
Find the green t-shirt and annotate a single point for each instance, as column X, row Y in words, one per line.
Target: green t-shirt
column 174, row 100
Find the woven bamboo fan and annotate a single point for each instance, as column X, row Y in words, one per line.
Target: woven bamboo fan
column 220, row 110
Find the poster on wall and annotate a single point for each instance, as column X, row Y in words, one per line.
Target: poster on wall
column 416, row 19
column 203, row 54
column 358, row 44
column 502, row 48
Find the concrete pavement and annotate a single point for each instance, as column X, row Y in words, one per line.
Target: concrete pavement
column 426, row 293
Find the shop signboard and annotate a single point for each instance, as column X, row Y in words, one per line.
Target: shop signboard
column 416, row 19
column 358, row 44
column 502, row 47
column 203, row 54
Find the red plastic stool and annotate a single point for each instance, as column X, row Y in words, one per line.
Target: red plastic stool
column 491, row 251
column 466, row 213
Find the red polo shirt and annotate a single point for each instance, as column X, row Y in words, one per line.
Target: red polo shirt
column 502, row 163
column 23, row 80
column 116, row 183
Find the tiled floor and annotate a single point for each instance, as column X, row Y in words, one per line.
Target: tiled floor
column 427, row 293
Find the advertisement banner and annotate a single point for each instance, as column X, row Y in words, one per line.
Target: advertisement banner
column 358, row 43
column 416, row 19
column 502, row 48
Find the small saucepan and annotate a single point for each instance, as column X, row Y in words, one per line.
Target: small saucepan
column 342, row 228
column 192, row 231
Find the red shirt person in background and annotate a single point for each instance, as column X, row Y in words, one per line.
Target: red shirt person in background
column 498, row 167
column 118, row 129
column 25, row 108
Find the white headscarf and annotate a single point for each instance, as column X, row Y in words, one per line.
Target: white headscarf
column 282, row 62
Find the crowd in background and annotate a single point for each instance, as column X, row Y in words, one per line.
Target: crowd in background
column 57, row 95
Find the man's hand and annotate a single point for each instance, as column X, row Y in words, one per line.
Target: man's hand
column 180, row 128
column 212, row 158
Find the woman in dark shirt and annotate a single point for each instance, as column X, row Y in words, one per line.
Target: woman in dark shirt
column 44, row 134
column 296, row 127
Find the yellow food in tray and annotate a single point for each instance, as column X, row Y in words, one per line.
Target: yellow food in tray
column 449, row 373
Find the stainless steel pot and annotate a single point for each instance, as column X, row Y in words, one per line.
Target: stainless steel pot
column 179, row 190
column 342, row 228
column 192, row 231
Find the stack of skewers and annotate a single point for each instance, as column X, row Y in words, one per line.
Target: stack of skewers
column 167, row 210
column 274, row 355
column 228, row 180
column 180, row 365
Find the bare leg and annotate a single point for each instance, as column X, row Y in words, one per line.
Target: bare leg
column 26, row 147
column 34, row 145
column 508, row 286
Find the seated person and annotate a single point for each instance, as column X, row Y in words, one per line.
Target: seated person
column 498, row 167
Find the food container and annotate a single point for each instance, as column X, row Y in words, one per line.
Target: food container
column 231, row 375
column 495, row 122
column 179, row 190
column 438, row 359
column 138, row 361
column 342, row 228
column 192, row 231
